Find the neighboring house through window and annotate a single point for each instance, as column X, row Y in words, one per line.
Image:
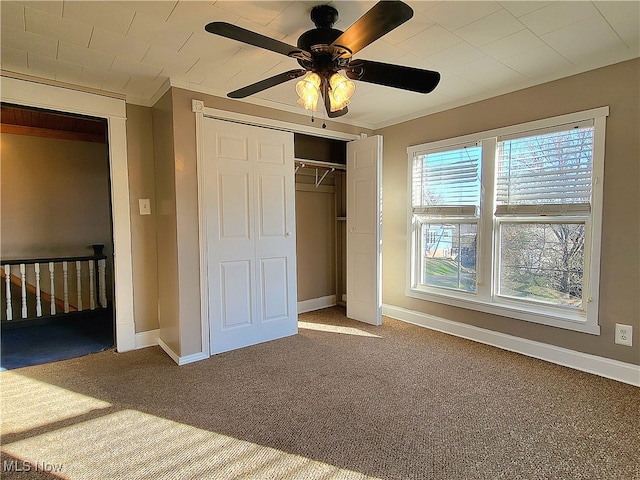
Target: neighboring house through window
column 509, row 221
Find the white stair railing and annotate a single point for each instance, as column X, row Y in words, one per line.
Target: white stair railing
column 25, row 277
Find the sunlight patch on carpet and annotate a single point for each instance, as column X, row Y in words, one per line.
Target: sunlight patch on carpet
column 321, row 327
column 29, row 403
column 137, row 445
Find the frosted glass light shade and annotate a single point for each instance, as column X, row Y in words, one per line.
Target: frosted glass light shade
column 340, row 92
column 308, row 89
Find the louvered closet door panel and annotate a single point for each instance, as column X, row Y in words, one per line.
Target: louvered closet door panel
column 250, row 257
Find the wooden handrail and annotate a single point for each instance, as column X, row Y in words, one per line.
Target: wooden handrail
column 30, row 261
column 97, row 255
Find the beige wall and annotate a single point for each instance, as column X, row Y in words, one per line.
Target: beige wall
column 54, row 197
column 166, row 230
column 315, row 236
column 616, row 86
column 143, row 227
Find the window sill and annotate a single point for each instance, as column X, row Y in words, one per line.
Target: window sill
column 532, row 313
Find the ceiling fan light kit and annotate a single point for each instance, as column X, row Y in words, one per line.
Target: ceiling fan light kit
column 324, row 51
column 308, row 89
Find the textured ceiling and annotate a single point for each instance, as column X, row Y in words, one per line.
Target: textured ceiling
column 481, row 48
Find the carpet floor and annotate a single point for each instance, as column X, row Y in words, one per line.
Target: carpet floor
column 339, row 400
column 61, row 339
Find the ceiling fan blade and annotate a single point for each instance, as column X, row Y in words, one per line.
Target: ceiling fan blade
column 398, row 76
column 266, row 83
column 381, row 19
column 247, row 36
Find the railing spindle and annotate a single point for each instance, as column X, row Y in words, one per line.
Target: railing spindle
column 35, row 290
column 79, row 284
column 103, row 282
column 92, row 283
column 52, row 287
column 36, row 266
column 7, row 280
column 65, row 280
column 23, row 281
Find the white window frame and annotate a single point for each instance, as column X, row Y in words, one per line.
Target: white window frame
column 485, row 299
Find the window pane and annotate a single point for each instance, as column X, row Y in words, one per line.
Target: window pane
column 449, row 255
column 542, row 262
column 551, row 168
column 450, row 178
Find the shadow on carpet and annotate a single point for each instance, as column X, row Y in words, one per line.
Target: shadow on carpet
column 56, row 339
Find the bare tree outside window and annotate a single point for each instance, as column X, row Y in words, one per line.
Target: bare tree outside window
column 552, row 174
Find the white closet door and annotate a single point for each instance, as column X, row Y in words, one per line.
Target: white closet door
column 275, row 217
column 364, row 214
column 251, row 270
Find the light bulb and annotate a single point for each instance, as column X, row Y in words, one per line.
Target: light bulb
column 308, row 89
column 340, row 92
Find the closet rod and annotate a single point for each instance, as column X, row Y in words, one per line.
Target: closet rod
column 317, row 163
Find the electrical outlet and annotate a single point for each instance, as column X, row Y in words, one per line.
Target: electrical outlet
column 624, row 334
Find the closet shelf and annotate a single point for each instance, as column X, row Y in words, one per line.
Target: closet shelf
column 317, row 163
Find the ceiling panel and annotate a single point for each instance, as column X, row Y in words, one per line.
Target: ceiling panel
column 12, row 16
column 481, row 48
column 571, row 41
column 520, row 8
column 107, row 79
column 430, row 41
column 29, row 42
column 517, row 43
column 118, row 45
column 14, row 57
column 493, row 27
column 623, row 17
column 262, row 13
column 71, row 53
column 557, row 15
column 456, row 56
column 109, row 16
column 538, row 63
column 62, row 71
column 56, row 27
column 157, row 32
column 455, row 15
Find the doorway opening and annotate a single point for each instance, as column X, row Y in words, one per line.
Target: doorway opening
column 57, row 236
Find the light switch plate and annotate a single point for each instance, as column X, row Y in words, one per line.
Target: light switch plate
column 145, row 206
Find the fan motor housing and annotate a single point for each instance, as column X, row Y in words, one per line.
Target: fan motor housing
column 317, row 41
column 318, row 36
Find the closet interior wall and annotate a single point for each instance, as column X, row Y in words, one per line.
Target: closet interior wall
column 320, row 222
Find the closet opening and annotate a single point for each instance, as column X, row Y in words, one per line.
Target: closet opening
column 321, row 235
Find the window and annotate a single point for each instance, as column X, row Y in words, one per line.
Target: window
column 446, row 202
column 508, row 221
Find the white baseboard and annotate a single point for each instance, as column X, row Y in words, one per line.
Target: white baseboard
column 316, row 303
column 147, row 339
column 604, row 367
column 194, row 357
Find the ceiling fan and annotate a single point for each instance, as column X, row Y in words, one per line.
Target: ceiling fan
column 324, row 51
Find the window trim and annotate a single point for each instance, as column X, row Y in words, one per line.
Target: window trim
column 484, row 299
